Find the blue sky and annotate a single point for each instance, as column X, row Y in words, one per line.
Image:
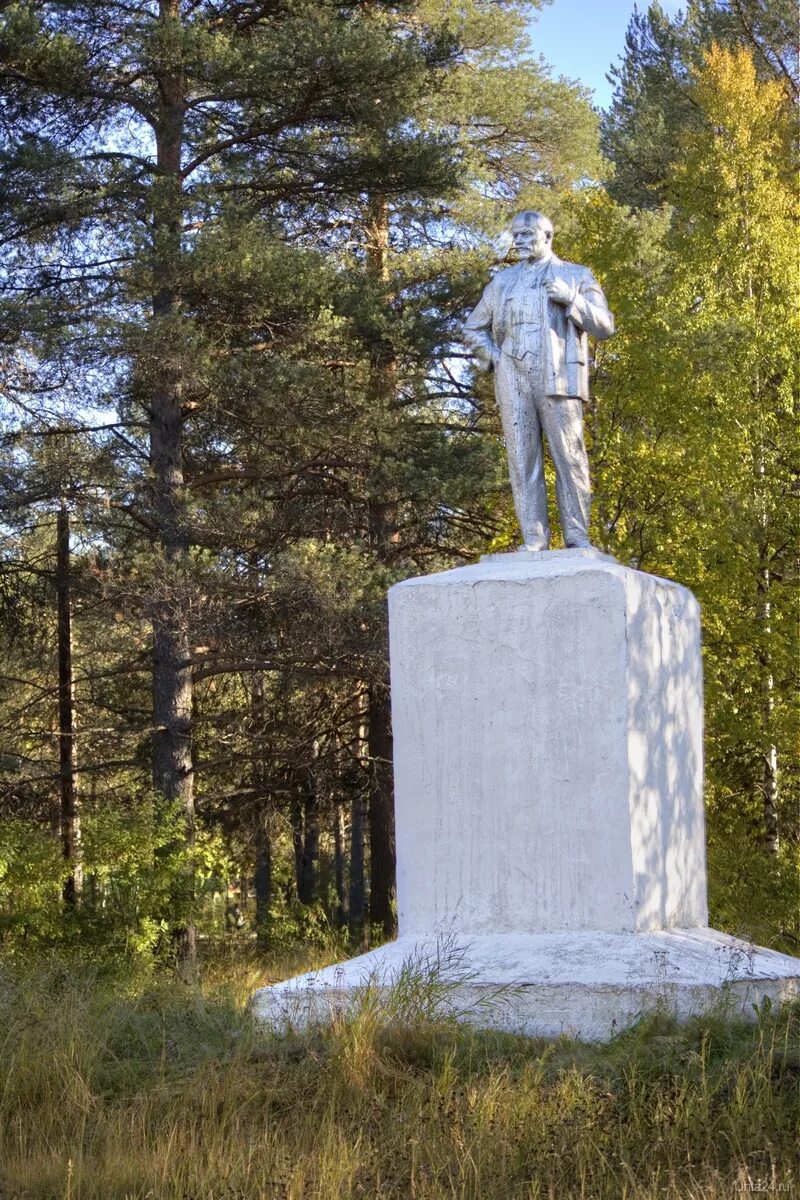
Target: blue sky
column 582, row 38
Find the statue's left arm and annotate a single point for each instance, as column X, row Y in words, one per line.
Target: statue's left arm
column 589, row 309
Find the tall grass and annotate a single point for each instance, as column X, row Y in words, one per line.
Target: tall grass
column 115, row 1088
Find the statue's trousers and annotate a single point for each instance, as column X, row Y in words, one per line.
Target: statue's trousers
column 526, row 412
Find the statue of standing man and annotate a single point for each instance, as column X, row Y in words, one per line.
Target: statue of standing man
column 530, row 327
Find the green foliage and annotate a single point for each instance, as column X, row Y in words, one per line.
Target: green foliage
column 142, row 878
column 32, row 874
column 694, row 436
column 146, row 877
column 654, row 106
column 755, row 895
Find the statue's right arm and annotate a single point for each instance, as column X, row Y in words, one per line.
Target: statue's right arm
column 477, row 330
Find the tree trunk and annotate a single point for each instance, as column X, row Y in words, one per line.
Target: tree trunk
column 378, row 237
column 338, row 866
column 258, row 779
column 172, row 678
column 263, row 879
column 304, row 817
column 382, row 387
column 769, row 785
column 381, row 811
column 296, row 821
column 307, row 884
column 70, row 811
column 382, row 863
column 769, row 751
column 356, row 900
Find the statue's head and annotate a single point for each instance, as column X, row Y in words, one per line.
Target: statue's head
column 532, row 234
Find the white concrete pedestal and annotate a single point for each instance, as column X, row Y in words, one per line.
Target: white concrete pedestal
column 547, row 716
column 586, row 985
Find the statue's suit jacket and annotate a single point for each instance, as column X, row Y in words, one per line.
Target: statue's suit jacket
column 489, row 329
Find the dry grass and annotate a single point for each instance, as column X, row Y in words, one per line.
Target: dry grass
column 118, row 1089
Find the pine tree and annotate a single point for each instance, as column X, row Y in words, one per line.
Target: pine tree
column 127, row 129
column 654, row 101
column 246, row 236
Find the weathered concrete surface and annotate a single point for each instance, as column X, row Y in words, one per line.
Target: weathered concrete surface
column 547, row 714
column 586, row 985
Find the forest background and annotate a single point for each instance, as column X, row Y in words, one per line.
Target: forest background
column 238, row 241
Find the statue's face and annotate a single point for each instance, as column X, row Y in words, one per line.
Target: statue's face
column 530, row 241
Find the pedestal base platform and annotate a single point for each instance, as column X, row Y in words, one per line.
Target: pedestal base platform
column 585, row 985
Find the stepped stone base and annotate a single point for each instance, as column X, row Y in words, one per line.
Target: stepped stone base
column 585, row 985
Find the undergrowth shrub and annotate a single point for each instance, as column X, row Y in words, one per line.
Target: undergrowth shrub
column 141, row 880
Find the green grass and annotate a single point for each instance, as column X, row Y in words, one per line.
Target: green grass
column 115, row 1088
